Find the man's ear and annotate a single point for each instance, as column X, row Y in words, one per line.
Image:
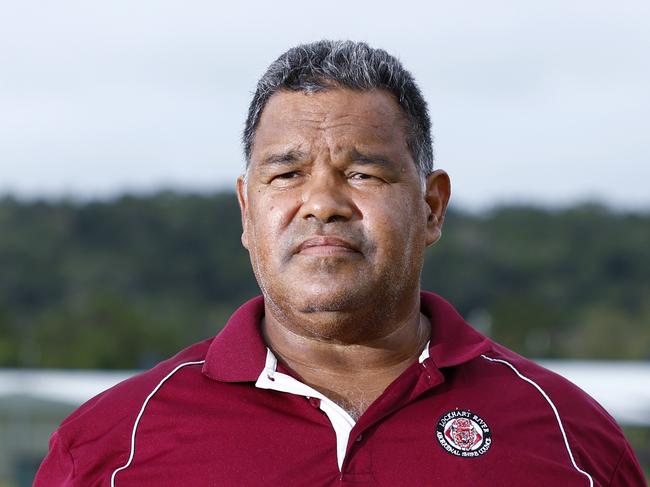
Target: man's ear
column 437, row 193
column 243, row 208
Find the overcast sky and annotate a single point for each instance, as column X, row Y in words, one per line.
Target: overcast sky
column 541, row 102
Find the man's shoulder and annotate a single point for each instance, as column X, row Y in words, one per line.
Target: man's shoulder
column 112, row 410
column 554, row 389
column 532, row 393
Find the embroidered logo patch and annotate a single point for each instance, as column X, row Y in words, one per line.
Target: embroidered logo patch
column 463, row 434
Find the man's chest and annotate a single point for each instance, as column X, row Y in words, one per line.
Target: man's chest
column 283, row 439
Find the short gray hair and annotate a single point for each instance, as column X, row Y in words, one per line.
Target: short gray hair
column 325, row 64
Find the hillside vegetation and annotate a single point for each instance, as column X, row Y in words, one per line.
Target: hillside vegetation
column 125, row 283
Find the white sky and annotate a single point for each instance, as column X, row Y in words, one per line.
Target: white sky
column 541, row 102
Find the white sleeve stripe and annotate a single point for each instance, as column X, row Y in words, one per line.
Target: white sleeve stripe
column 144, row 405
column 557, row 415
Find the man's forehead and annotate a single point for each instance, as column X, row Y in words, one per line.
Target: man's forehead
column 344, row 120
column 279, row 156
column 331, row 103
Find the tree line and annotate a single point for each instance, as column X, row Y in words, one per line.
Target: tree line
column 127, row 282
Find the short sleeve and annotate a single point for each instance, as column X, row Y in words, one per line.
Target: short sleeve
column 628, row 472
column 57, row 468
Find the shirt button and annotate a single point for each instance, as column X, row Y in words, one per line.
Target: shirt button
column 314, row 401
column 359, row 438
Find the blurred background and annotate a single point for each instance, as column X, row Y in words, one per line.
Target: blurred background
column 119, row 147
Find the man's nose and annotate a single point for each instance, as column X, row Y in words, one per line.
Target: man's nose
column 327, row 198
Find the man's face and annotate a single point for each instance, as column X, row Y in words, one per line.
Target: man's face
column 334, row 215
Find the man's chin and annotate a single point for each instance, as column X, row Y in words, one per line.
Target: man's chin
column 333, row 301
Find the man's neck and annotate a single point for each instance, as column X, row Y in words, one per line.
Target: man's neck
column 351, row 374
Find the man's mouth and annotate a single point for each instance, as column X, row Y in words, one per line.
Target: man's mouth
column 326, row 246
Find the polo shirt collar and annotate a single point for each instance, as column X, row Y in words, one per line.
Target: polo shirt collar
column 453, row 341
column 238, row 353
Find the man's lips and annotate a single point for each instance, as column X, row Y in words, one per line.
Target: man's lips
column 325, row 245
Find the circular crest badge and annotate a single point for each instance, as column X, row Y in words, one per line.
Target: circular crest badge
column 463, row 434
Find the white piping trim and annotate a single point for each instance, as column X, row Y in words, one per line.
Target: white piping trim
column 137, row 419
column 557, row 415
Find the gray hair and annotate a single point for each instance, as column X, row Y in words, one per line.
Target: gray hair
column 325, row 64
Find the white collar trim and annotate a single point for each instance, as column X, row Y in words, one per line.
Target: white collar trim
column 341, row 421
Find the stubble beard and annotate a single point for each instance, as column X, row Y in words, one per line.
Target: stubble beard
column 346, row 314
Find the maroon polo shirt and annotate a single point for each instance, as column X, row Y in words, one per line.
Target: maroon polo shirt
column 223, row 413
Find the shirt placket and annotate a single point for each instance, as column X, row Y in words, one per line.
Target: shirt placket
column 353, row 439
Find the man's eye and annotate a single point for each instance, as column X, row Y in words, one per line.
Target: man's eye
column 287, row 175
column 360, row 175
column 285, row 178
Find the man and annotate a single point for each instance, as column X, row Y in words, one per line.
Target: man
column 343, row 373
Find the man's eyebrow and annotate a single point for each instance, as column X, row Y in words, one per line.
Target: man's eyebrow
column 288, row 157
column 369, row 159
